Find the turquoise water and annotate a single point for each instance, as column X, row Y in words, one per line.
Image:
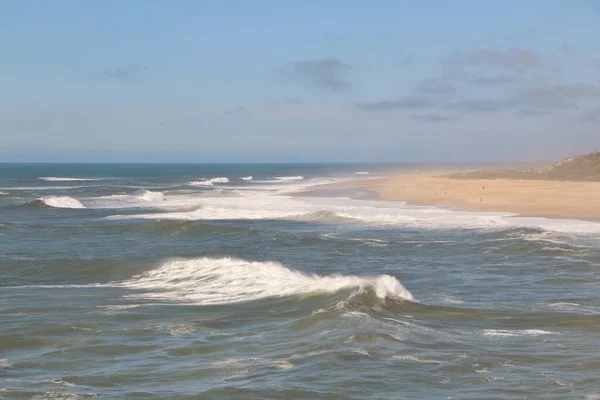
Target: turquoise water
column 219, row 281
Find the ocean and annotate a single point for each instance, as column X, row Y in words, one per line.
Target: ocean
column 256, row 281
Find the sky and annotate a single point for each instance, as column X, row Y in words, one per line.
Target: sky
column 298, row 81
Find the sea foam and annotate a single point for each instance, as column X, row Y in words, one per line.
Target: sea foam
column 62, row 202
column 66, row 179
column 209, row 182
column 230, row 280
column 288, row 178
column 148, row 195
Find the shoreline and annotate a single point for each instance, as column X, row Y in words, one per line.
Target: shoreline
column 525, row 198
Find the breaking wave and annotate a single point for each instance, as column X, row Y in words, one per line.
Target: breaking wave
column 210, row 182
column 288, row 178
column 214, row 213
column 247, row 178
column 362, row 173
column 62, row 202
column 66, row 179
column 229, row 280
column 148, row 195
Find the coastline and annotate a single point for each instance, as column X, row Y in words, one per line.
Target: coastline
column 538, row 198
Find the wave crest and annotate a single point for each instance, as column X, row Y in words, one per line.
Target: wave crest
column 288, row 178
column 229, row 280
column 148, row 195
column 210, row 182
column 62, row 202
column 66, row 179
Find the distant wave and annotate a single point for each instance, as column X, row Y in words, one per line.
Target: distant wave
column 516, row 332
column 229, row 280
column 362, row 173
column 3, row 193
column 247, row 178
column 215, row 213
column 62, row 202
column 37, row 188
column 210, row 182
column 148, row 195
column 66, row 179
column 288, row 178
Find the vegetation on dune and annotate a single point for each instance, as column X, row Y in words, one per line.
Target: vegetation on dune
column 579, row 168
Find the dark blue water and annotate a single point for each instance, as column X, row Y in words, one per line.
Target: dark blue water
column 245, row 281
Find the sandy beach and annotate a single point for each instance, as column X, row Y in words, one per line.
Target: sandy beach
column 531, row 197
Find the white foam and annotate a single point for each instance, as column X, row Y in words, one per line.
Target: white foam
column 118, row 307
column 66, row 179
column 288, row 178
column 62, row 202
column 230, row 280
column 210, row 213
column 145, row 199
column 247, row 178
column 43, row 187
column 148, row 195
column 250, row 206
column 563, row 304
column 512, row 333
column 271, row 200
column 557, row 225
column 3, row 194
column 60, row 381
column 209, row 182
column 452, row 300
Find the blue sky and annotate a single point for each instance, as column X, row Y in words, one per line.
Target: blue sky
column 251, row 81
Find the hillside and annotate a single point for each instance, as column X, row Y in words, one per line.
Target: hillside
column 579, row 168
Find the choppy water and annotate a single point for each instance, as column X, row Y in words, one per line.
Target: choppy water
column 199, row 282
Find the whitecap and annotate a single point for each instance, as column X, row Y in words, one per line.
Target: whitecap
column 229, row 280
column 288, row 178
column 62, row 202
column 209, row 182
column 66, row 179
column 148, row 195
column 512, row 333
column 60, row 381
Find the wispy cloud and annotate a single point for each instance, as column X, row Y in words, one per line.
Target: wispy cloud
column 514, row 59
column 480, row 105
column 482, row 78
column 124, row 73
column 567, row 48
column 431, row 117
column 326, row 73
column 533, row 112
column 556, row 95
column 542, row 98
column 236, row 110
column 435, row 87
column 590, row 116
column 292, row 100
column 405, row 102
